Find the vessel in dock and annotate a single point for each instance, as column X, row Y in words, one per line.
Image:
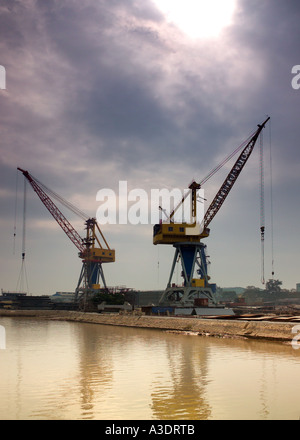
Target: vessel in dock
column 22, row 301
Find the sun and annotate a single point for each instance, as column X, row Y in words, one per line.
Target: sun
column 198, row 18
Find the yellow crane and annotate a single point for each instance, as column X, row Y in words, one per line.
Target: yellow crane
column 186, row 237
column 93, row 248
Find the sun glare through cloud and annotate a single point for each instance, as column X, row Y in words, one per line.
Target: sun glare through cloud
column 157, row 93
column 198, row 18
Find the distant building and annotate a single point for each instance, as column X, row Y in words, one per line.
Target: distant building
column 237, row 290
column 298, row 287
column 144, row 298
column 63, row 296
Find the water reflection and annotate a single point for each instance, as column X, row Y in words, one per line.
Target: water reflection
column 63, row 370
column 95, row 373
column 185, row 395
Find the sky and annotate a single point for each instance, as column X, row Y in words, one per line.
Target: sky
column 154, row 93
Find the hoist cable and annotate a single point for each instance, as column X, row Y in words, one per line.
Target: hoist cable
column 262, row 210
column 22, row 279
column 224, row 161
column 23, row 274
column 212, row 172
column 24, row 223
column 271, row 196
column 63, row 201
column 15, row 217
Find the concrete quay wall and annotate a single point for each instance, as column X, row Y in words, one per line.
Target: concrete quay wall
column 275, row 331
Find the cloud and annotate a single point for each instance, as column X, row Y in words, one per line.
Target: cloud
column 99, row 92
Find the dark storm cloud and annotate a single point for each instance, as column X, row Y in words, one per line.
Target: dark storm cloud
column 269, row 31
column 99, row 91
column 117, row 102
column 105, row 66
column 110, row 81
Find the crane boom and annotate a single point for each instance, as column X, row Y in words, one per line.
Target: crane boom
column 55, row 212
column 166, row 233
column 91, row 251
column 232, row 177
column 186, row 238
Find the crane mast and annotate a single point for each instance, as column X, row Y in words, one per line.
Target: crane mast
column 91, row 250
column 186, row 238
column 232, row 177
column 55, row 212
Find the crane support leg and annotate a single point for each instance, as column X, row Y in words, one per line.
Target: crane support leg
column 190, row 254
column 173, row 267
column 90, row 275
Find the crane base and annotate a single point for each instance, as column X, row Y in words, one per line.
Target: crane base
column 191, row 301
column 204, row 311
column 188, row 297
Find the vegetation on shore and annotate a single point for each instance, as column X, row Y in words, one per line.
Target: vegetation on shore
column 271, row 293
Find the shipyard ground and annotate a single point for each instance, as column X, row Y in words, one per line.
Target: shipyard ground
column 240, row 327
